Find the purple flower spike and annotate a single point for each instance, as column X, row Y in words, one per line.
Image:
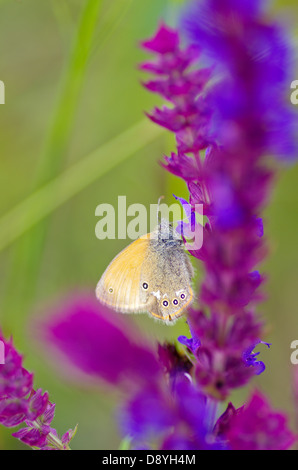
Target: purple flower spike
column 255, row 59
column 221, row 366
column 189, row 117
column 226, row 127
column 21, row 404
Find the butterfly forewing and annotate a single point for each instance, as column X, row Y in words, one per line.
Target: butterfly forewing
column 119, row 286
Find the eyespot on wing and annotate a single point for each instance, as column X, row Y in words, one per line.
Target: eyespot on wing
column 174, row 312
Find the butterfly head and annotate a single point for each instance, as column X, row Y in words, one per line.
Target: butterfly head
column 166, row 234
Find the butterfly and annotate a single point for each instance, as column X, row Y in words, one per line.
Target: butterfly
column 153, row 274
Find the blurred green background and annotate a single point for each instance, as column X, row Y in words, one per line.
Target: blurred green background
column 73, row 125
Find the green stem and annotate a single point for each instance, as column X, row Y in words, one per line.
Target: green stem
column 28, row 255
column 64, row 114
column 52, row 195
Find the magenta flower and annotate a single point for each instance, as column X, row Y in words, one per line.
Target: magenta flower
column 170, row 421
column 160, row 405
column 232, row 246
column 20, row 403
column 223, row 365
column 221, row 151
column 254, row 56
column 257, row 427
column 99, row 344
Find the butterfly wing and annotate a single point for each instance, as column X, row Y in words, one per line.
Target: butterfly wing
column 119, row 286
column 172, row 313
column 170, row 291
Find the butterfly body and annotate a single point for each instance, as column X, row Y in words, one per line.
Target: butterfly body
column 152, row 274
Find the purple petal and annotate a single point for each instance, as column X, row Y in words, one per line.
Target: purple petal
column 37, row 404
column 32, row 437
column 97, row 342
column 258, row 427
column 165, row 41
column 13, row 411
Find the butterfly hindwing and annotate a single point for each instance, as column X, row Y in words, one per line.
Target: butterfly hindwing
column 169, row 289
